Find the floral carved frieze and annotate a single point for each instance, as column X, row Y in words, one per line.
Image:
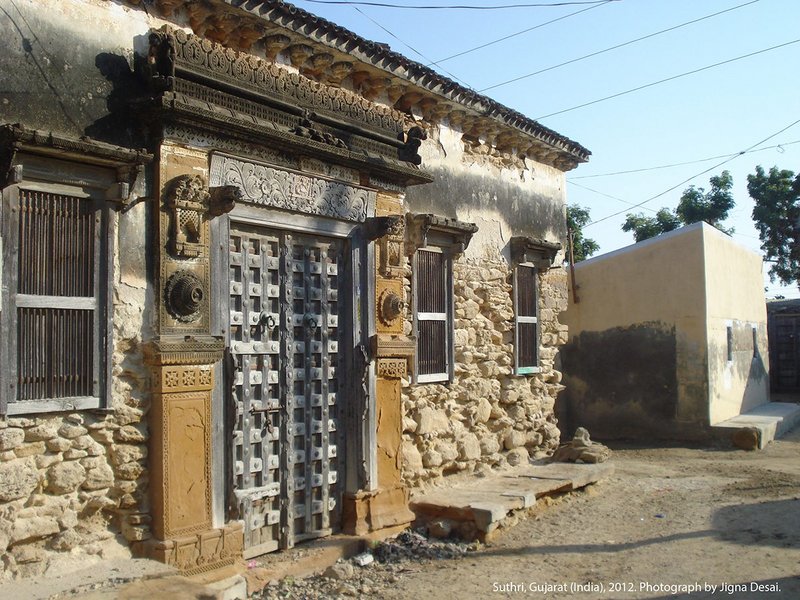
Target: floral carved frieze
column 277, row 188
column 176, row 51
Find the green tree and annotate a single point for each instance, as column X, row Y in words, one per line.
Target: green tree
column 777, row 218
column 646, row 227
column 577, row 218
column 712, row 206
column 696, row 204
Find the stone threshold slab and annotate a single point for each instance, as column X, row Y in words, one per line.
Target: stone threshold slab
column 771, row 419
column 478, row 507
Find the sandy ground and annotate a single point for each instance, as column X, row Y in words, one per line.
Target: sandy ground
column 725, row 522
column 670, row 523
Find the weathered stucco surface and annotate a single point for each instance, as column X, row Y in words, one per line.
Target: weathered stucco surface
column 648, row 341
column 488, row 415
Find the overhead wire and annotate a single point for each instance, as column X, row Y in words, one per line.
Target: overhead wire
column 681, row 164
column 672, row 78
column 687, row 180
column 598, row 192
column 518, row 33
column 407, row 45
column 598, row 52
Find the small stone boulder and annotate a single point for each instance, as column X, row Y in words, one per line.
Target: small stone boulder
column 582, row 449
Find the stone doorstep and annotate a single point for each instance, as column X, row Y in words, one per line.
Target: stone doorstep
column 490, row 501
column 307, row 559
column 771, row 419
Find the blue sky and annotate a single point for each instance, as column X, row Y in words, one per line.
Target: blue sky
column 716, row 112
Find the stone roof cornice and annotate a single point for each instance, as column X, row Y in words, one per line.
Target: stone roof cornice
column 330, row 53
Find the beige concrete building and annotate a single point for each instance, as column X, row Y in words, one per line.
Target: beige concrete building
column 667, row 337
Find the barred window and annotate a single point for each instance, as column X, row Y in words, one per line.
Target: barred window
column 433, row 315
column 526, row 301
column 55, row 267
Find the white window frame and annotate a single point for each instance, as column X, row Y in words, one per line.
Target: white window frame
column 519, row 319
column 446, row 317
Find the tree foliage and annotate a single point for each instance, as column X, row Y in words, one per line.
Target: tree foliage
column 712, row 206
column 777, row 218
column 696, row 204
column 577, row 218
column 646, row 227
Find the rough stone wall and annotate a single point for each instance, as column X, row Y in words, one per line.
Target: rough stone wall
column 73, row 486
column 488, row 416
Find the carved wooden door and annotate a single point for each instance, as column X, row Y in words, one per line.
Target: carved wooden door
column 284, row 340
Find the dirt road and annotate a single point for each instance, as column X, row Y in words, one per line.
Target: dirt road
column 671, row 523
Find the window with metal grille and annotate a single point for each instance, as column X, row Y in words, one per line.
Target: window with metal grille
column 433, row 300
column 526, row 302
column 55, row 265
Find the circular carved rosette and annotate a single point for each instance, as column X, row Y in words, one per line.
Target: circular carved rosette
column 390, row 307
column 184, row 295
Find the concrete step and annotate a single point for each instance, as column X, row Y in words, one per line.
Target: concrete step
column 772, row 420
column 479, row 507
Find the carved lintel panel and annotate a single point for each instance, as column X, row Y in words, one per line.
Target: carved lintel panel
column 184, row 350
column 532, row 250
column 420, row 226
column 265, row 185
column 392, row 368
column 391, row 345
column 185, row 379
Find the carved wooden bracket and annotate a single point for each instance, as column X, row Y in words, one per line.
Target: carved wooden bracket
column 191, row 202
column 451, row 234
column 540, row 253
column 390, row 233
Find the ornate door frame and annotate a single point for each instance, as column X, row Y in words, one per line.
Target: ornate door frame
column 326, row 208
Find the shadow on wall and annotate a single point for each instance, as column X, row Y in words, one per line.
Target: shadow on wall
column 621, row 383
column 757, row 389
column 118, row 126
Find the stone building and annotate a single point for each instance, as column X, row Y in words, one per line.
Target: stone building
column 261, row 278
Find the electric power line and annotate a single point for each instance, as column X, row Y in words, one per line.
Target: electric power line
column 508, row 37
column 651, row 84
column 598, row 192
column 458, row 6
column 681, row 164
column 408, row 45
column 716, row 166
column 585, row 56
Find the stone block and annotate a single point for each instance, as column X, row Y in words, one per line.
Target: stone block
column 11, row 437
column 517, row 456
column 30, row 449
column 490, row 445
column 431, row 458
column 18, row 479
column 483, row 411
column 430, row 420
column 102, row 476
column 514, row 439
column 58, row 445
column 412, row 460
column 65, row 477
column 71, row 431
column 41, row 432
column 28, row 530
column 469, row 447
